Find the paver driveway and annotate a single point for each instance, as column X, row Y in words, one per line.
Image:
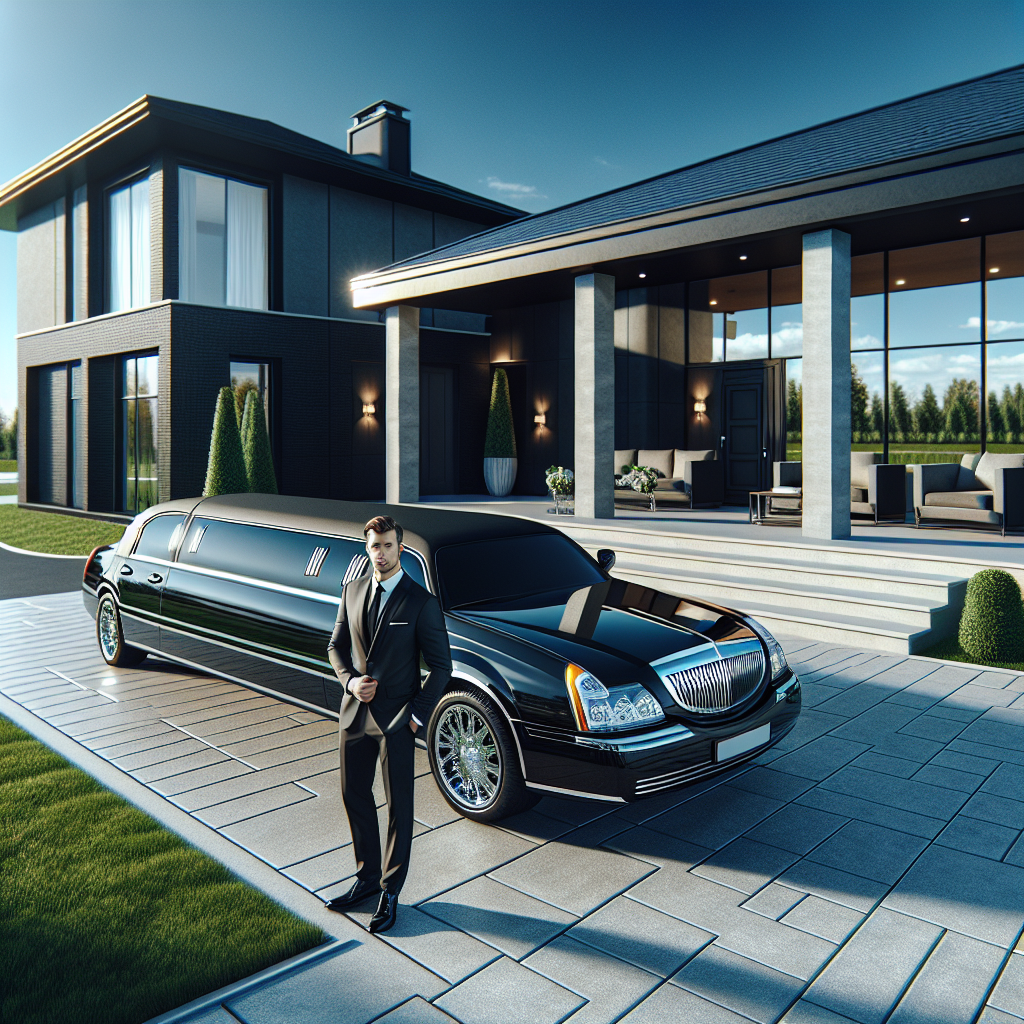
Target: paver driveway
column 869, row 868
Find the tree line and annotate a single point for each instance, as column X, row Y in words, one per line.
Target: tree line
column 924, row 421
column 8, row 435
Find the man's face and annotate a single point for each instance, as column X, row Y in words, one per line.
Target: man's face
column 384, row 551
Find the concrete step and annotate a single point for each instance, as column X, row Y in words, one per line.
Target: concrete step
column 789, row 594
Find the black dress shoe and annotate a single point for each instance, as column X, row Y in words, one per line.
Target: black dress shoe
column 387, row 912
column 362, row 889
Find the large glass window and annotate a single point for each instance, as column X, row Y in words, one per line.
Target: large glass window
column 129, row 264
column 1004, row 286
column 934, row 297
column 740, row 305
column 139, row 401
column 794, row 409
column 787, row 313
column 222, row 241
column 76, row 437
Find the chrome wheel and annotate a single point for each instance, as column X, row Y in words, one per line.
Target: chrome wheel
column 467, row 756
column 107, row 629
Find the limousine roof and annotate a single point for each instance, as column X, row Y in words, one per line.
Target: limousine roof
column 425, row 528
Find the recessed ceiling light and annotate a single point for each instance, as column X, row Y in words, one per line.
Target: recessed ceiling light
column 901, row 281
column 642, row 276
column 964, row 220
column 713, row 302
column 993, row 270
column 743, row 257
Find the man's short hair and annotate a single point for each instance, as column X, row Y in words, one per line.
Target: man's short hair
column 383, row 524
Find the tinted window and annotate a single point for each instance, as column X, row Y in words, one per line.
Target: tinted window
column 496, row 570
column 159, row 537
column 278, row 556
column 412, row 565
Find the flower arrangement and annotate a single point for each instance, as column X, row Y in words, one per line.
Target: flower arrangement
column 559, row 480
column 643, row 480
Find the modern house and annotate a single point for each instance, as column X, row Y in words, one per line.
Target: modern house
column 175, row 249
column 870, row 270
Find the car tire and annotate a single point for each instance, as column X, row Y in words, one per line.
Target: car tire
column 474, row 758
column 110, row 636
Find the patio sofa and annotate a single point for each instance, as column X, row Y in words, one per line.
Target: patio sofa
column 695, row 479
column 982, row 489
column 877, row 489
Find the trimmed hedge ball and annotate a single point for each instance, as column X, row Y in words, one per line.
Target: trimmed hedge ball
column 992, row 625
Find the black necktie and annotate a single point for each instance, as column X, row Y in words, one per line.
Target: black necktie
column 374, row 610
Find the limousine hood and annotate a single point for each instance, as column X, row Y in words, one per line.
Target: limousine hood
column 613, row 621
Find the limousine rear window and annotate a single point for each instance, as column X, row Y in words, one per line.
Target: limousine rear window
column 504, row 568
column 412, row 563
column 159, row 537
column 288, row 557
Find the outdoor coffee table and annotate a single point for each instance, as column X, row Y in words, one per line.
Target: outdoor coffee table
column 762, row 513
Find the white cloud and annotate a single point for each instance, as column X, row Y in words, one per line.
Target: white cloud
column 1014, row 360
column 866, row 341
column 1003, row 326
column 514, row 189
column 753, row 345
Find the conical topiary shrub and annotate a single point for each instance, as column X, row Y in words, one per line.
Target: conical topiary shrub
column 500, row 462
column 992, row 625
column 259, row 462
column 225, row 472
column 500, row 442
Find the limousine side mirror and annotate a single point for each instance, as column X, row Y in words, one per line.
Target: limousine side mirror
column 606, row 559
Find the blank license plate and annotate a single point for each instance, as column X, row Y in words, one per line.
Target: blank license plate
column 741, row 744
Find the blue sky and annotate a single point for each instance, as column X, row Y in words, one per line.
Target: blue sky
column 537, row 103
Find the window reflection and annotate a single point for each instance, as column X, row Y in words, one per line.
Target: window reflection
column 934, row 298
column 1004, row 286
column 794, row 409
column 787, row 313
column 867, row 401
column 1005, row 403
column 933, row 403
column 140, row 415
column 742, row 301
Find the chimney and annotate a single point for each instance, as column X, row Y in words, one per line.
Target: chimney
column 380, row 135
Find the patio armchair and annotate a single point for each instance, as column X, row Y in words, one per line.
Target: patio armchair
column 982, row 489
column 877, row 489
column 691, row 478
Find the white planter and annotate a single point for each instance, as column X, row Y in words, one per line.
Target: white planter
column 500, row 475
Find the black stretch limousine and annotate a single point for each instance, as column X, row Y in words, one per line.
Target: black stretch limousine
column 565, row 679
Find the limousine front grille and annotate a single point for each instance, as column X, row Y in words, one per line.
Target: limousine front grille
column 719, row 684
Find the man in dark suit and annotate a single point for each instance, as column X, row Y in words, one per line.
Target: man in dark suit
column 386, row 621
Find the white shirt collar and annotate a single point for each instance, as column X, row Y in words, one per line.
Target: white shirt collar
column 389, row 584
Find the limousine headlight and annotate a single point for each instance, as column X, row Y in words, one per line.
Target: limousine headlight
column 600, row 709
column 776, row 654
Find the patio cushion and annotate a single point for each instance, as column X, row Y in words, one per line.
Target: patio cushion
column 859, row 462
column 966, row 480
column 959, row 499
column 682, row 457
column 659, row 459
column 786, row 490
column 989, row 467
column 973, row 515
column 624, row 457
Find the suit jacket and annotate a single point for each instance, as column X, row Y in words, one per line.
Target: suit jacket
column 410, row 625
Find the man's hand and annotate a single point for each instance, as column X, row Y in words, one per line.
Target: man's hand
column 413, row 726
column 363, row 688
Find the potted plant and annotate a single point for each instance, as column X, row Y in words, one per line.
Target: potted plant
column 560, row 483
column 643, row 480
column 500, row 462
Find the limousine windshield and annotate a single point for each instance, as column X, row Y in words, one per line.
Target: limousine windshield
column 511, row 567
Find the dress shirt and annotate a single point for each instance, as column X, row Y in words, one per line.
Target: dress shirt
column 386, row 587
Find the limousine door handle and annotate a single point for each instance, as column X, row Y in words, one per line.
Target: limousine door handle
column 154, row 577
column 126, row 570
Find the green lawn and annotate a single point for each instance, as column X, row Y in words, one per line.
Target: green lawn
column 8, row 465
column 106, row 916
column 54, row 533
column 950, row 650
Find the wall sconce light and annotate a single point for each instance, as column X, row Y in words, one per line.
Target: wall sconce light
column 369, row 408
column 541, row 418
column 700, row 406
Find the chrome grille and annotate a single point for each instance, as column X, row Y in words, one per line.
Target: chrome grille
column 717, row 685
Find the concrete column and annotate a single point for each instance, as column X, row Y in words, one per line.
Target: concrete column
column 402, row 395
column 826, row 384
column 595, row 396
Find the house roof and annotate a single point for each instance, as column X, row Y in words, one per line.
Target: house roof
column 151, row 120
column 979, row 110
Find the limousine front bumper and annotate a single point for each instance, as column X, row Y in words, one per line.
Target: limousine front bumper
column 667, row 757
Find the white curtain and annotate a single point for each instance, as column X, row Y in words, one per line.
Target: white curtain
column 187, row 235
column 120, row 250
column 247, row 246
column 140, row 243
